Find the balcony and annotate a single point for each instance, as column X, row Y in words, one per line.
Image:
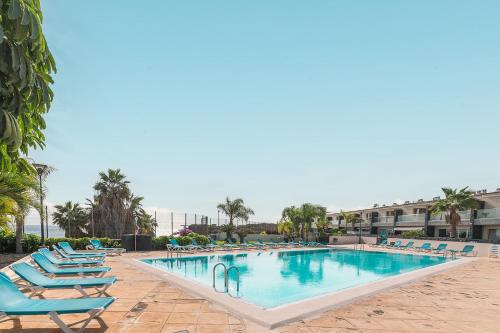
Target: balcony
column 383, row 220
column 488, row 216
column 439, row 219
column 411, row 220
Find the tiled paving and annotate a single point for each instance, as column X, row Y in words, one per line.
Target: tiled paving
column 464, row 299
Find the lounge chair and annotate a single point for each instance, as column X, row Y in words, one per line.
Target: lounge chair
column 196, row 246
column 52, row 270
column 424, row 247
column 61, row 262
column 493, row 252
column 212, row 246
column 464, row 252
column 395, row 245
column 14, row 303
column 66, row 247
column 174, row 246
column 97, row 245
column 64, row 255
column 37, row 283
column 407, row 246
column 229, row 245
column 440, row 249
column 383, row 242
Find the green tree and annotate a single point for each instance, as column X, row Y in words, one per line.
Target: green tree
column 116, row 209
column 455, row 200
column 302, row 217
column 229, row 230
column 285, row 227
column 146, row 224
column 323, row 225
column 72, row 218
column 349, row 218
column 235, row 209
column 26, row 65
column 18, row 193
column 111, row 202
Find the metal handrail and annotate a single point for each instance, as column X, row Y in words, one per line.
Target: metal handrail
column 237, row 280
column 225, row 277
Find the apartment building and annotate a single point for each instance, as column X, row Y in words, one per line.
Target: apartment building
column 483, row 223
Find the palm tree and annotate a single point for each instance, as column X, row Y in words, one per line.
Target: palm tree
column 72, row 218
column 111, row 214
column 455, row 200
column 302, row 217
column 349, row 218
column 310, row 214
column 18, row 193
column 228, row 229
column 146, row 224
column 235, row 209
column 285, row 227
column 294, row 215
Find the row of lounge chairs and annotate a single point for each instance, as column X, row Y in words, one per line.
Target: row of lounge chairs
column 229, row 245
column 43, row 273
column 426, row 247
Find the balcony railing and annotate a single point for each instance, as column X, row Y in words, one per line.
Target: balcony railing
column 491, row 213
column 384, row 219
column 411, row 218
column 464, row 217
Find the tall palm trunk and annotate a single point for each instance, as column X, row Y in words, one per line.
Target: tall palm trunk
column 454, row 222
column 19, row 233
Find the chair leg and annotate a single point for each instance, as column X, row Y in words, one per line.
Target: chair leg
column 66, row 329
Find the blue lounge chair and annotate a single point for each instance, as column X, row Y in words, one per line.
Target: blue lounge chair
column 66, row 247
column 424, row 247
column 61, row 262
column 441, row 249
column 395, row 245
column 196, row 246
column 229, row 245
column 15, row 303
column 212, row 246
column 407, row 246
column 97, row 245
column 383, row 242
column 37, row 283
column 468, row 249
column 52, row 270
column 174, row 246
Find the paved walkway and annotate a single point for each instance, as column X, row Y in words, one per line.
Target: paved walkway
column 465, row 299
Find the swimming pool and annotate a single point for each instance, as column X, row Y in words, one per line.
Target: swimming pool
column 272, row 279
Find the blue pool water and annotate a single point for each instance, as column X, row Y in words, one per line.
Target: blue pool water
column 271, row 279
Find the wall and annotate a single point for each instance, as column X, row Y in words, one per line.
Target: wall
column 343, row 240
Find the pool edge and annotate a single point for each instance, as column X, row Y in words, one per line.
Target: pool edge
column 284, row 314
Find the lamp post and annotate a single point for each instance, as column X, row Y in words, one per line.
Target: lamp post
column 41, row 170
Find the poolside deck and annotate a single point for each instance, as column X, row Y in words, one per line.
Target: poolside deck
column 463, row 299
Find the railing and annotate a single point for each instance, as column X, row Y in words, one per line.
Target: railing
column 411, row 218
column 226, row 279
column 384, row 219
column 464, row 217
column 491, row 213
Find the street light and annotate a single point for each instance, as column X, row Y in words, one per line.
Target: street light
column 41, row 170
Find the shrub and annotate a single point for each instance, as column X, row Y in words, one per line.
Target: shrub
column 7, row 242
column 413, row 233
column 200, row 239
column 160, row 242
column 30, row 243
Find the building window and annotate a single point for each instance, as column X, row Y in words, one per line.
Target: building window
column 442, row 233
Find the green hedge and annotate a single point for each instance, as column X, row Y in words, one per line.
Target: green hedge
column 32, row 242
column 160, row 243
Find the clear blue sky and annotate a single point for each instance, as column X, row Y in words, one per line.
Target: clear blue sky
column 340, row 103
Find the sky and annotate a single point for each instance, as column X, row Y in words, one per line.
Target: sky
column 338, row 103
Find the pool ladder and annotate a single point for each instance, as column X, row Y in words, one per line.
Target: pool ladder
column 226, row 278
